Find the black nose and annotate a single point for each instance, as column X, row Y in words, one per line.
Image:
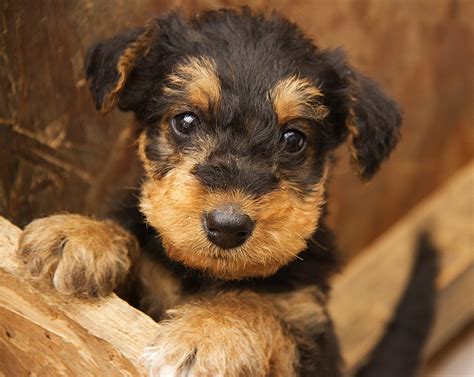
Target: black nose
column 227, row 227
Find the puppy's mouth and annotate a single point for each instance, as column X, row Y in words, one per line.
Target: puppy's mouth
column 227, row 226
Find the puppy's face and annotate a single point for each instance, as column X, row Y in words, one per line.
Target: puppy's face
column 239, row 114
column 235, row 173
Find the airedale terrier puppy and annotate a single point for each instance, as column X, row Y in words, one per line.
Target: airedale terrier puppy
column 226, row 245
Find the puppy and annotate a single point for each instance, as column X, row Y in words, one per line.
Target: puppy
column 226, row 245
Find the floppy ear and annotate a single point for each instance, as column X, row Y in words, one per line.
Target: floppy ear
column 110, row 63
column 373, row 123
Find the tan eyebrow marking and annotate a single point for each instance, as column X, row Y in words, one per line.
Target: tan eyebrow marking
column 294, row 97
column 197, row 80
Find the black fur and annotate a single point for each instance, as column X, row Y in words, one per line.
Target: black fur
column 221, row 175
column 101, row 61
column 398, row 353
column 377, row 119
column 252, row 53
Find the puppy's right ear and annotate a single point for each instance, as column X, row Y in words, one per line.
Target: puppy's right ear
column 110, row 63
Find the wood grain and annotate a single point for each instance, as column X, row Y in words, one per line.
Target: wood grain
column 44, row 333
column 365, row 296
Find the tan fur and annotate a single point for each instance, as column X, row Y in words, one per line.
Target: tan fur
column 197, row 80
column 147, row 165
column 82, row 256
column 353, row 134
column 160, row 290
column 235, row 334
column 303, row 309
column 126, row 62
column 295, row 98
column 284, row 220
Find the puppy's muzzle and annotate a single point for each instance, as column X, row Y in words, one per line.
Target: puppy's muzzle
column 227, row 227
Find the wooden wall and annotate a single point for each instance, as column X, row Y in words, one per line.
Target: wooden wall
column 57, row 154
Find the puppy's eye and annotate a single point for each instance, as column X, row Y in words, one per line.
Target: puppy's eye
column 294, row 141
column 184, row 124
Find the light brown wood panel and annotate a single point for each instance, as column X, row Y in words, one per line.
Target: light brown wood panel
column 366, row 294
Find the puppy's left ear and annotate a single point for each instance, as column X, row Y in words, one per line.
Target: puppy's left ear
column 373, row 123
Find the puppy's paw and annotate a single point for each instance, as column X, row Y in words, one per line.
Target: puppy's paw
column 82, row 256
column 219, row 341
column 193, row 345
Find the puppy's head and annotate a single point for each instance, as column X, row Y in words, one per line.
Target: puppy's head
column 239, row 114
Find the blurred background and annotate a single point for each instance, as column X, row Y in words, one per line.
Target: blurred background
column 58, row 154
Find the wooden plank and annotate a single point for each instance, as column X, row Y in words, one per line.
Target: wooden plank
column 45, row 333
column 365, row 296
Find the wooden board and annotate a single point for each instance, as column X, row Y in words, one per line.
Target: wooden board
column 44, row 333
column 366, row 294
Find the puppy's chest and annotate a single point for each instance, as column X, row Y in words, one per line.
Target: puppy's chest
column 161, row 288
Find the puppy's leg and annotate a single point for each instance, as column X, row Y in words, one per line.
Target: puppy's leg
column 304, row 312
column 158, row 288
column 82, row 256
column 234, row 334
